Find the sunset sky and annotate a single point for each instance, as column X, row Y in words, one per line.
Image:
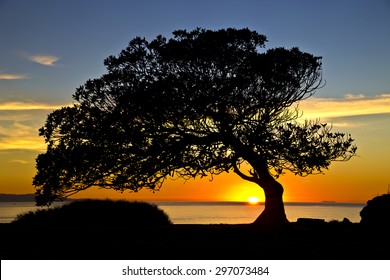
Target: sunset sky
column 48, row 48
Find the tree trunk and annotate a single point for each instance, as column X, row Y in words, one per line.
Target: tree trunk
column 273, row 216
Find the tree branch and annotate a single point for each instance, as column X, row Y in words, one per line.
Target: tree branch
column 242, row 175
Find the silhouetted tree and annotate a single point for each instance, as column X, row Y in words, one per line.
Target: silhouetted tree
column 201, row 103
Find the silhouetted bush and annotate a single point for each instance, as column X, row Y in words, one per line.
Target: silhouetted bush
column 310, row 222
column 376, row 212
column 97, row 212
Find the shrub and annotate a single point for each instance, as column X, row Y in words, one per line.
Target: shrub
column 97, row 212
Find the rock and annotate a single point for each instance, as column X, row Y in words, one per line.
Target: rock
column 376, row 212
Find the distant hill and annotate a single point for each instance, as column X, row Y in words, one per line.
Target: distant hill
column 17, row 197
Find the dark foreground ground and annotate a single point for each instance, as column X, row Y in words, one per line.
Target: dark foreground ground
column 326, row 241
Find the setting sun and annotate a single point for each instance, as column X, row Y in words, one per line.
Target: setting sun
column 253, row 199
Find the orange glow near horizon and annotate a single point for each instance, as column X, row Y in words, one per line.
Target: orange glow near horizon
column 339, row 184
column 358, row 180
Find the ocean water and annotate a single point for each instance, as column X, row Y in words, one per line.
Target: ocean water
column 10, row 210
column 242, row 213
column 219, row 212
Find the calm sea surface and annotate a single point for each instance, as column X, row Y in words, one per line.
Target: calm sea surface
column 241, row 213
column 219, row 212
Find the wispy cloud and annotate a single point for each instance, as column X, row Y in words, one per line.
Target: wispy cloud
column 35, row 144
column 350, row 105
column 14, row 76
column 19, row 124
column 21, row 106
column 18, row 161
column 47, row 60
column 17, row 135
column 350, row 96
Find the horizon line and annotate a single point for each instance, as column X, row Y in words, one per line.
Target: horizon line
column 324, row 202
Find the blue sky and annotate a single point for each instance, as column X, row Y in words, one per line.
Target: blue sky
column 353, row 37
column 48, row 48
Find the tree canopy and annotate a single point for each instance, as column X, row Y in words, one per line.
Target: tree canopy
column 200, row 103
